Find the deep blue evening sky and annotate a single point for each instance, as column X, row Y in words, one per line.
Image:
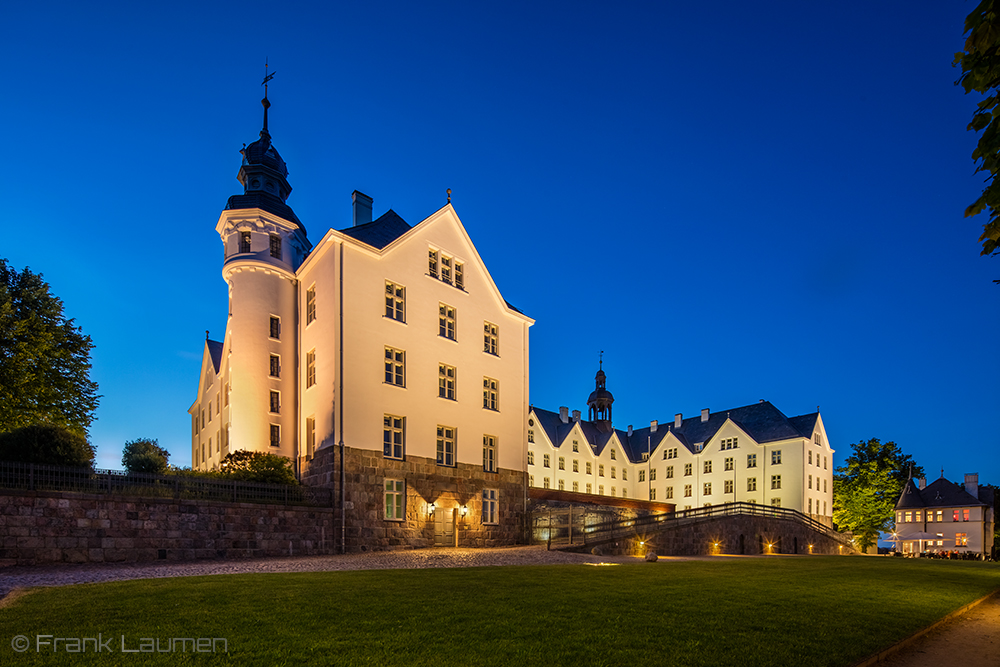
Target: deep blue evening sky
column 734, row 200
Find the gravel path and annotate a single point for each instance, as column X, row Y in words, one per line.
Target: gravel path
column 63, row 575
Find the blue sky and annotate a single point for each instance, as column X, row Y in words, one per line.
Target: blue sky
column 734, row 201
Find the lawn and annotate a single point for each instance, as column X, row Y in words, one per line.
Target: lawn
column 727, row 611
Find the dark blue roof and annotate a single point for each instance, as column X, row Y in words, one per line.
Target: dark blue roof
column 215, row 351
column 379, row 233
column 265, row 201
column 940, row 493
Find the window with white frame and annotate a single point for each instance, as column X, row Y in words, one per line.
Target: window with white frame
column 652, row 474
column 707, row 489
column 751, row 483
column 727, row 486
column 531, row 435
column 545, row 482
column 670, row 472
column 545, row 461
column 624, row 474
column 275, row 369
column 775, row 481
column 728, row 443
column 600, row 489
column 275, row 246
column 395, row 366
column 687, row 490
column 310, row 368
column 672, row 453
column 275, row 435
column 775, row 502
column 310, row 305
column 395, row 301
column 613, row 455
column 275, row 402
column 642, row 475
column 810, row 481
column 459, row 275
column 491, row 393
column 395, row 499
column 447, row 327
column 576, row 446
column 446, row 269
column 576, row 465
column 614, row 491
column 562, row 485
column 531, row 458
column 447, row 437
column 728, row 463
column 590, row 487
column 432, row 263
column 562, row 462
column 810, row 458
column 576, row 486
column 491, row 338
column 614, row 472
column 244, row 241
column 590, row 468
column 687, row 469
column 310, row 437
column 393, row 436
column 446, row 381
column 670, row 493
column 600, row 470
column 775, row 456
column 275, row 327
column 708, row 466
column 751, row 460
column 531, row 480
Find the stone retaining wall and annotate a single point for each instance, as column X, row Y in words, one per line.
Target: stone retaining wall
column 366, row 527
column 51, row 527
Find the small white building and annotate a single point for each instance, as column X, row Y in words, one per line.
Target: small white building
column 752, row 454
column 944, row 516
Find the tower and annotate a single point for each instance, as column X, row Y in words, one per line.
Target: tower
column 263, row 243
column 600, row 401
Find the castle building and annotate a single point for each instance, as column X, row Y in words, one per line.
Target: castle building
column 383, row 361
column 945, row 517
column 752, row 454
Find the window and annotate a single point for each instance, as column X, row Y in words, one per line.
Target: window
column 491, row 338
column 613, row 471
column 600, row 472
column 590, row 468
column 916, row 516
column 728, row 486
column 728, row 463
column 965, row 515
column 810, row 481
column 751, row 484
column 446, row 321
column 652, row 493
column 810, row 506
column 576, row 465
column 576, row 486
column 751, row 460
column 624, row 493
column 824, row 463
column 392, row 436
column 670, row 492
column 775, row 457
column 671, row 453
column 395, row 301
column 490, row 507
column 954, row 515
column 310, row 368
column 562, row 485
column 687, row 469
column 729, row 443
column 600, row 489
column 310, row 305
column 244, row 241
column 531, row 435
column 613, row 456
column 775, row 502
column 395, row 496
column 961, row 539
column 670, row 472
column 275, row 366
column 562, row 462
column 446, row 381
column 395, row 363
column 491, row 394
column 775, row 481
column 275, row 327
column 275, row 246
column 652, row 474
column 810, row 458
column 707, row 489
column 446, row 269
column 824, row 486
column 446, row 437
column 531, row 458
column 590, row 488
column 432, row 263
column 225, row 399
column 576, row 446
column 210, row 417
column 459, row 275
column 817, row 439
column 310, row 437
column 275, row 435
column 687, row 490
column 545, row 483
column 624, row 474
column 545, row 460
column 642, row 475
column 531, row 480
column 939, row 516
column 708, row 466
column 275, row 402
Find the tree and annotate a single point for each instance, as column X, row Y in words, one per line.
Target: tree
column 980, row 64
column 258, row 467
column 144, row 455
column 865, row 491
column 47, row 444
column 44, row 358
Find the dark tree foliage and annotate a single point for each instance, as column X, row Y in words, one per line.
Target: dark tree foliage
column 47, row 444
column 144, row 455
column 867, row 488
column 980, row 63
column 44, row 358
column 258, row 467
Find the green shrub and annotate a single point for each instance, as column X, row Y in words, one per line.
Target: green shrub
column 47, row 444
column 258, row 467
column 144, row 455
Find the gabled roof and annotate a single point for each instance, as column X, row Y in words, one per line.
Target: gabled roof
column 381, row 232
column 939, row 493
column 805, row 424
column 215, row 351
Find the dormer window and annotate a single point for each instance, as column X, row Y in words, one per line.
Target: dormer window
column 244, row 241
column 275, row 246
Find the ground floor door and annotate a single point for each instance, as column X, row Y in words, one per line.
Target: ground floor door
column 444, row 527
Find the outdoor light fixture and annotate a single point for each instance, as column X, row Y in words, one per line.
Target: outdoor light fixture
column 430, row 508
column 465, row 510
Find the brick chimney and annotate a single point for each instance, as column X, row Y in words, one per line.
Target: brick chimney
column 922, row 483
column 630, row 430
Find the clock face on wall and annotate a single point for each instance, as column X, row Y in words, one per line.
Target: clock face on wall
column 531, row 422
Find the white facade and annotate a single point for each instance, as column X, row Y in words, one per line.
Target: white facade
column 945, row 517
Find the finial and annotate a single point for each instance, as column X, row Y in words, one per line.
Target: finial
column 449, row 195
column 600, row 365
column 264, row 102
column 206, row 334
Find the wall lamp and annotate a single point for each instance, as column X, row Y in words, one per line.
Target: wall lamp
column 430, row 508
column 465, row 510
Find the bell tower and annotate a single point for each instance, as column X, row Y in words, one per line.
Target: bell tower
column 600, row 400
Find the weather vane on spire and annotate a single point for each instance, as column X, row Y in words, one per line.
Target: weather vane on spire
column 600, row 365
column 267, row 77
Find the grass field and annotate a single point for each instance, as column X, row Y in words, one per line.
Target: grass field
column 726, row 611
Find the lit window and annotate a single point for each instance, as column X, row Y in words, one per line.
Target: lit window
column 728, row 486
column 395, row 496
column 961, row 539
column 707, row 490
column 670, row 493
column 393, row 431
column 490, row 513
column 954, row 515
column 275, row 366
column 751, row 460
column 687, row 469
column 310, row 368
column 446, row 437
column 432, row 263
column 562, row 463
column 275, row 246
column 939, row 515
column 687, row 490
column 751, row 484
column 395, row 301
column 965, row 515
column 446, row 381
column 244, row 241
column 446, row 321
column 545, row 461
column 775, row 481
column 395, row 362
column 446, row 269
column 275, row 402
column 491, row 338
column 708, row 466
column 310, row 305
column 275, row 435
column 491, row 394
column 275, row 327
column 775, row 457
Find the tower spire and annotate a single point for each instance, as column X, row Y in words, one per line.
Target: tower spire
column 265, row 102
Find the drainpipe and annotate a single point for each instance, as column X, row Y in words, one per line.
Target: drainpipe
column 298, row 390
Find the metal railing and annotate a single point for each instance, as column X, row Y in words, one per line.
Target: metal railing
column 561, row 527
column 37, row 477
